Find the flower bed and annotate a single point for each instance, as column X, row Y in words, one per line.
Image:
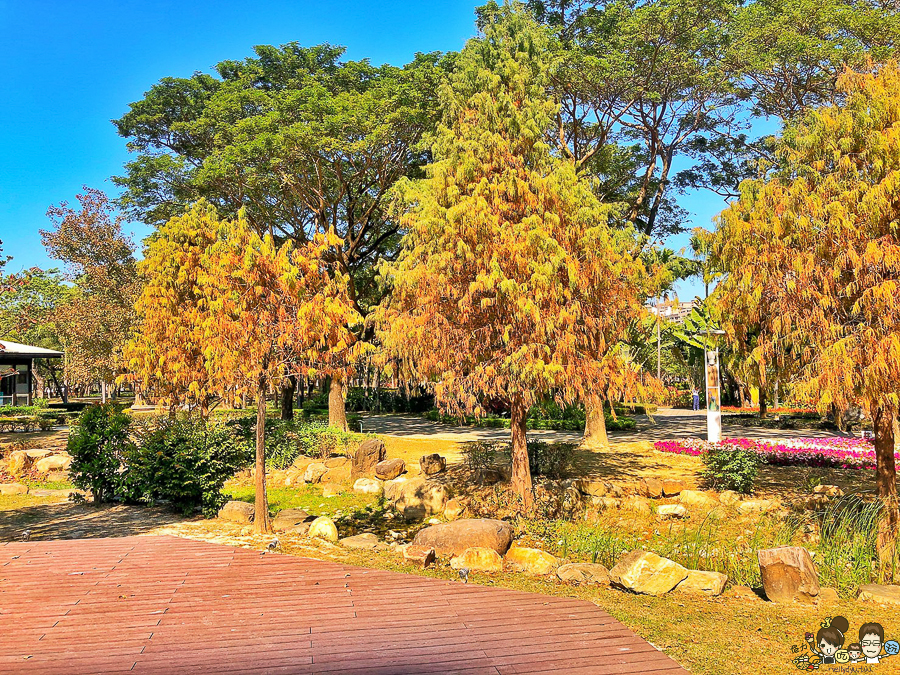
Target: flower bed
column 773, row 411
column 843, row 453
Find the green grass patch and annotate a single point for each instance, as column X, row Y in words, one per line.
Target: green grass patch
column 309, row 498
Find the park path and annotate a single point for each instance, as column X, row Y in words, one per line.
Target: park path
column 167, row 605
column 668, row 423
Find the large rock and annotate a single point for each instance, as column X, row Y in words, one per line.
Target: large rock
column 13, row 489
column 366, row 541
column 53, row 463
column 703, row 583
column 530, row 561
column 390, row 468
column 323, row 528
column 454, row 509
column 672, row 511
column 637, row 505
column 237, row 512
column 651, row 487
column 455, row 537
column 594, row 488
column 758, row 506
column 647, row 573
column 336, row 462
column 367, row 486
column 672, row 487
column 416, row 498
column 697, row 498
column 583, row 573
column 478, row 559
column 432, row 464
column 788, row 574
column 314, row 473
column 18, row 463
column 366, row 458
column 423, row 556
column 885, row 595
column 288, row 518
column 339, row 474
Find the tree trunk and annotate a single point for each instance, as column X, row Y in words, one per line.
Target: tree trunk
column 595, row 437
column 288, row 387
column 762, row 403
column 261, row 511
column 337, row 413
column 886, row 487
column 521, row 472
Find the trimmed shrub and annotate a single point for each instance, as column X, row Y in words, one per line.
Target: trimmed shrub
column 184, row 462
column 553, row 460
column 99, row 442
column 730, row 468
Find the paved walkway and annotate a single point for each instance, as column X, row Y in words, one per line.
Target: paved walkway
column 668, row 423
column 168, row 605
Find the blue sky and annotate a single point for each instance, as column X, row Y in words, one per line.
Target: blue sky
column 73, row 66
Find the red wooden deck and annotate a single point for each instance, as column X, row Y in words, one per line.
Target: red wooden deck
column 169, row 605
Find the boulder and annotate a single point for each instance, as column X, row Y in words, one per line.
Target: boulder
column 37, row 454
column 637, row 505
column 416, row 498
column 478, row 559
column 288, row 518
column 336, row 462
column 314, row 472
column 432, row 464
column 18, row 462
column 828, row 595
column 237, row 512
column 453, row 538
column 671, row 487
column 390, row 468
column 454, row 509
column 729, row 498
column 332, row 489
column 323, row 528
column 583, row 573
column 300, row 529
column 301, row 462
column 884, row 595
column 530, row 561
column 594, row 488
column 370, row 452
column 423, row 556
column 703, row 583
column 367, row 486
column 672, row 511
column 292, row 477
column 339, row 474
column 651, row 487
column 366, row 541
column 13, row 489
column 788, row 574
column 697, row 498
column 53, row 463
column 758, row 506
column 646, row 573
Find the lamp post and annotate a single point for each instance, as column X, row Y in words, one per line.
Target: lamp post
column 713, row 394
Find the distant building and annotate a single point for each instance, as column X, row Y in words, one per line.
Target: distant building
column 16, row 368
column 672, row 310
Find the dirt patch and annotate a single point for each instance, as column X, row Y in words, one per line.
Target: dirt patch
column 82, row 521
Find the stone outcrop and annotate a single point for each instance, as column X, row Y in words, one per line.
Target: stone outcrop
column 646, row 573
column 323, row 528
column 583, row 573
column 884, row 595
column 366, row 458
column 422, row 556
column 478, row 559
column 416, row 498
column 53, row 463
column 314, row 472
column 288, row 518
column 703, row 583
column 449, row 539
column 432, row 464
column 788, row 574
column 237, row 512
column 390, row 468
column 530, row 561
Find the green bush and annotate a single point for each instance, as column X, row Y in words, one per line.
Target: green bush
column 730, row 468
column 553, row 460
column 185, row 462
column 99, row 442
column 287, row 439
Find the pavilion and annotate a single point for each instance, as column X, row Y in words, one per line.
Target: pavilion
column 16, row 368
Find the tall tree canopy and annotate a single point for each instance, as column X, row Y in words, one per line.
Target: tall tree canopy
column 657, row 96
column 812, row 257
column 98, row 317
column 511, row 282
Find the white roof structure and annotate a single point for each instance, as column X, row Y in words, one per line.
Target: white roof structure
column 8, row 348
